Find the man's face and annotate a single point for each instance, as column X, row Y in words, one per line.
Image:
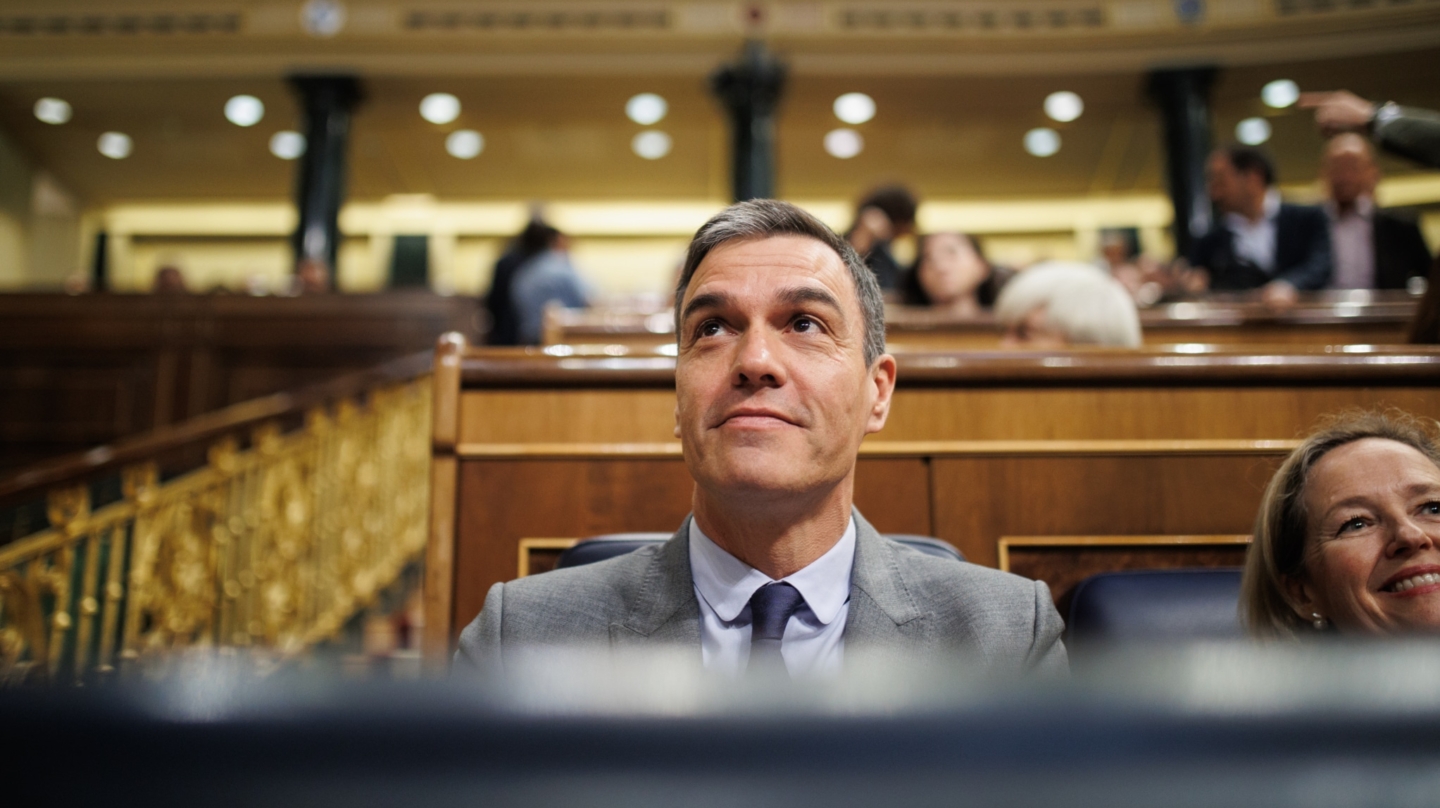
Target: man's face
column 1232, row 191
column 773, row 393
column 1350, row 173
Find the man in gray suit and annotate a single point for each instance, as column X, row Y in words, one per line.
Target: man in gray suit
column 781, row 373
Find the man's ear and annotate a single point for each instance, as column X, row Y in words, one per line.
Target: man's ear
column 882, row 375
column 677, row 418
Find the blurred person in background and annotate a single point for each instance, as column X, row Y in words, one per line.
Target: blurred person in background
column 884, row 215
column 1060, row 303
column 1347, row 539
column 1258, row 241
column 545, row 278
column 1373, row 248
column 312, row 277
column 952, row 274
column 169, row 281
column 534, row 239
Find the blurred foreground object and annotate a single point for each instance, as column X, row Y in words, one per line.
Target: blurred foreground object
column 1200, row 725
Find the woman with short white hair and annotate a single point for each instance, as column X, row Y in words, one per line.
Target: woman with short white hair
column 1058, row 303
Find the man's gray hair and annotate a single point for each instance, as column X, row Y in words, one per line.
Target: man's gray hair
column 766, row 218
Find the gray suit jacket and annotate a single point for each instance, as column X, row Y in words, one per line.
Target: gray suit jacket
column 901, row 601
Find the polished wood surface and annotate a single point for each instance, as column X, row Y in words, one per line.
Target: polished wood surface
column 579, row 442
column 79, row 371
column 178, row 440
column 1332, row 318
column 1063, row 562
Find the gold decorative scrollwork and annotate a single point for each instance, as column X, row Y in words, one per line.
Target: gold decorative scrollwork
column 270, row 548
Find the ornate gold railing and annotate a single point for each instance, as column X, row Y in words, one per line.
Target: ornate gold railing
column 268, row 548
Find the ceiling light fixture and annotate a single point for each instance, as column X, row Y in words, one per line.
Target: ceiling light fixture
column 1280, row 93
column 646, row 109
column 1252, row 131
column 52, row 110
column 1064, row 106
column 652, row 144
column 287, row 145
column 1042, row 141
column 440, row 108
column 465, row 144
column 244, row 110
column 115, row 145
column 844, row 143
column 854, row 108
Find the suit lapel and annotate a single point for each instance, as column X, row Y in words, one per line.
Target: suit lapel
column 882, row 611
column 665, row 610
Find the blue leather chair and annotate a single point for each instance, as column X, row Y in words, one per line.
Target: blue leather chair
column 1155, row 605
column 616, row 544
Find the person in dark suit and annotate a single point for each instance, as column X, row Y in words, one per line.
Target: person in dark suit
column 1373, row 248
column 1258, row 241
column 781, row 373
column 536, row 238
column 885, row 214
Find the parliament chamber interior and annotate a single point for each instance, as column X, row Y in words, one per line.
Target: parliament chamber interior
column 395, row 395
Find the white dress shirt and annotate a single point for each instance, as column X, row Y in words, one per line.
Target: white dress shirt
column 1352, row 240
column 813, row 641
column 1255, row 241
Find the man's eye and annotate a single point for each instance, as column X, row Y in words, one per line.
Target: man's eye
column 709, row 328
column 804, row 324
column 1432, row 508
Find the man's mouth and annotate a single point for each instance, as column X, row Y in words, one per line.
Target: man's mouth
column 755, row 417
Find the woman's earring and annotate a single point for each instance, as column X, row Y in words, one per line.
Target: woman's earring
column 1318, row 622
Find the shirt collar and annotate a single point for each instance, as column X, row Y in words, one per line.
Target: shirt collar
column 727, row 583
column 1272, row 203
column 1364, row 208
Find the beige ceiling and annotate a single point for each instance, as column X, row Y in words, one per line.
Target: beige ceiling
column 554, row 123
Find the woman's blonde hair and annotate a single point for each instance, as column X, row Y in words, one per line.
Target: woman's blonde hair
column 1277, row 553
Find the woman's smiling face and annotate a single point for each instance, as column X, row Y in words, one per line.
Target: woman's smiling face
column 1372, row 542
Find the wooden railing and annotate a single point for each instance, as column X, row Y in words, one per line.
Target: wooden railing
column 303, row 509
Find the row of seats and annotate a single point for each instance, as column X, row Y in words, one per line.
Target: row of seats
column 1112, row 607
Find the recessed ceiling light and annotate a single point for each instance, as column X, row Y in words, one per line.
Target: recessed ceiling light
column 1280, row 93
column 52, row 110
column 287, row 145
column 115, row 145
column 854, row 108
column 651, row 145
column 244, row 110
column 646, row 108
column 843, row 143
column 465, row 144
column 1042, row 141
column 1064, row 106
column 440, row 108
column 1252, row 131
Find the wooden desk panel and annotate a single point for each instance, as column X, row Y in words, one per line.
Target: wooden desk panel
column 79, row 371
column 504, row 500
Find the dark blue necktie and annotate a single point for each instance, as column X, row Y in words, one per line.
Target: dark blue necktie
column 771, row 607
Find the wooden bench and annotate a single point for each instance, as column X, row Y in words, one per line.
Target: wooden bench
column 80, row 371
column 979, row 446
column 1373, row 318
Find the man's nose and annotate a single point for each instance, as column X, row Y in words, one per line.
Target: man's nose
column 756, row 361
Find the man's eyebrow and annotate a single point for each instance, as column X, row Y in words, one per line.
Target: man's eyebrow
column 708, row 300
column 809, row 294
